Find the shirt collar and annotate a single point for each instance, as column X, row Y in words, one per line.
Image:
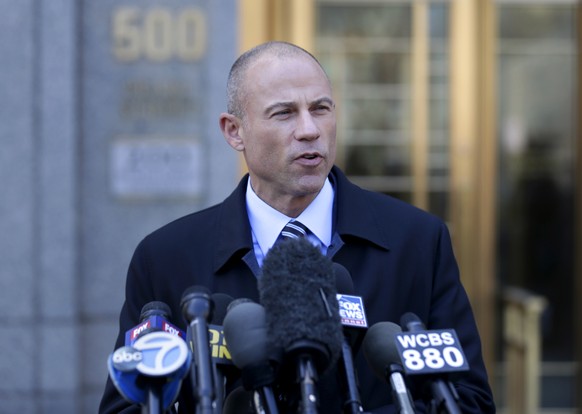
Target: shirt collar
column 267, row 223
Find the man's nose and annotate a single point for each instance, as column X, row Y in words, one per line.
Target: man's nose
column 306, row 127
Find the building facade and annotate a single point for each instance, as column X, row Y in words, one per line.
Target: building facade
column 468, row 109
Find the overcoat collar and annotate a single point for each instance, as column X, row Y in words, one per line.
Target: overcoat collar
column 355, row 213
column 234, row 237
column 353, row 216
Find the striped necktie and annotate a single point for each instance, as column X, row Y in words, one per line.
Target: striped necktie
column 294, row 230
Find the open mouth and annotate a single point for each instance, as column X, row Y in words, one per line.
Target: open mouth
column 310, row 159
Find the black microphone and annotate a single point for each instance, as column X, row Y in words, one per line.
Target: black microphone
column 298, row 291
column 151, row 310
column 245, row 330
column 155, row 308
column 412, row 323
column 444, row 395
column 347, row 372
column 382, row 355
column 197, row 308
column 239, row 401
column 154, row 317
column 221, row 303
column 223, row 369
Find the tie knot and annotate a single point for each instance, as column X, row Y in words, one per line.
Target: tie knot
column 294, row 230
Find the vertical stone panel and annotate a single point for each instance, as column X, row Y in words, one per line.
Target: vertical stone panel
column 57, row 162
column 152, row 150
column 153, row 79
column 17, row 159
column 83, row 124
column 17, row 204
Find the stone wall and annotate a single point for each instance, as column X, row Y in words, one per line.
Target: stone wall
column 109, row 129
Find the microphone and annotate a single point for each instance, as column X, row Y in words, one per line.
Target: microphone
column 239, row 401
column 297, row 289
column 149, row 370
column 197, row 308
column 351, row 308
column 382, row 355
column 154, row 316
column 221, row 303
column 245, row 329
column 348, row 306
column 222, row 366
column 432, row 352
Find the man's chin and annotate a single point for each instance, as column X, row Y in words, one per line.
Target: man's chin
column 307, row 185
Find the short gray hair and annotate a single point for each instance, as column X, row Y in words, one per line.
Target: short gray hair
column 235, row 87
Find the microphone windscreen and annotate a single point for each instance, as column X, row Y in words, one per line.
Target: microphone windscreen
column 380, row 347
column 221, row 303
column 155, row 308
column 245, row 331
column 237, row 302
column 343, row 279
column 297, row 289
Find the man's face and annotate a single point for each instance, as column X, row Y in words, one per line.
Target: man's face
column 289, row 128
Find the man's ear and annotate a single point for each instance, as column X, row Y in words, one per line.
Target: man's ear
column 230, row 126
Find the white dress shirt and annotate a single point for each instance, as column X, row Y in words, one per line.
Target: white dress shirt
column 267, row 223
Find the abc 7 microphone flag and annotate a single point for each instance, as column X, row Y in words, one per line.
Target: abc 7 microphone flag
column 155, row 355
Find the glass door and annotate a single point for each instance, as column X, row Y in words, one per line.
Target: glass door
column 467, row 109
column 537, row 113
column 390, row 63
column 499, row 168
column 389, row 67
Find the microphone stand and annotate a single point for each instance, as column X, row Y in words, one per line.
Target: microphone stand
column 259, row 377
column 308, row 377
column 352, row 405
column 446, row 398
column 155, row 398
column 264, row 401
column 196, row 308
column 270, row 403
column 202, row 369
column 218, row 389
column 308, row 356
column 400, row 394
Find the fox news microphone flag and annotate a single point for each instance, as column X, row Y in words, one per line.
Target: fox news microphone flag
column 352, row 315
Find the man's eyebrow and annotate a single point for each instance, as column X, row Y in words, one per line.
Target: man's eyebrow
column 270, row 108
column 290, row 104
column 327, row 100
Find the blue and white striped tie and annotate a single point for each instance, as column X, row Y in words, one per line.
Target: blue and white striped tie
column 294, row 230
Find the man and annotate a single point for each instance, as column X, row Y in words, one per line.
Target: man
column 281, row 116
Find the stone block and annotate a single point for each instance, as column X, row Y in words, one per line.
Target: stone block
column 19, row 359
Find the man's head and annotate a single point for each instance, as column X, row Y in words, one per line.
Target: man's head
column 235, row 90
column 281, row 116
